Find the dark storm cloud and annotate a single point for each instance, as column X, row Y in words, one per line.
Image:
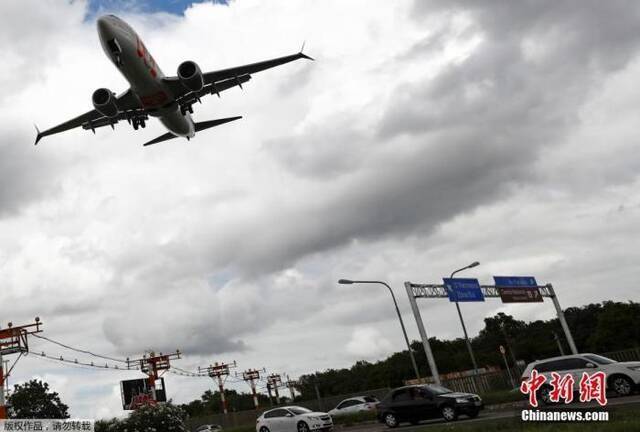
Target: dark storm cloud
column 448, row 144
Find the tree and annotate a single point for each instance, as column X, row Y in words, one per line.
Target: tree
column 154, row 418
column 33, row 400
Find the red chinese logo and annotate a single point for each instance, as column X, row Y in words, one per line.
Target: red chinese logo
column 561, row 388
column 592, row 387
column 530, row 387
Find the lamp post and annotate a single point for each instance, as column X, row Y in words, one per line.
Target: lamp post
column 404, row 331
column 464, row 328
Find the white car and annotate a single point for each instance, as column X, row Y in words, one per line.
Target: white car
column 355, row 405
column 293, row 419
column 622, row 377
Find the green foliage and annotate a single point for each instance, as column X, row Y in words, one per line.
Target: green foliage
column 596, row 328
column 113, row 425
column 161, row 417
column 33, row 400
column 210, row 403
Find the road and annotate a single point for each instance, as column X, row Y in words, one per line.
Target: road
column 490, row 415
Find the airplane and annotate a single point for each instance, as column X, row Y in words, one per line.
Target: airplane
column 152, row 94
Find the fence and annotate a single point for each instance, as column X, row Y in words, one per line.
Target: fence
column 632, row 354
column 484, row 383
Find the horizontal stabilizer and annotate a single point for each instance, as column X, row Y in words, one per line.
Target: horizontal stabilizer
column 161, row 138
column 198, row 127
column 211, row 123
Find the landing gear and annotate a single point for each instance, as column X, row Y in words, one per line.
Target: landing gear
column 137, row 123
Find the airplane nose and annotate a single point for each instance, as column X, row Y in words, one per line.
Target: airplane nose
column 104, row 27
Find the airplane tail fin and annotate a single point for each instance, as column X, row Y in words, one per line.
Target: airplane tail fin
column 198, row 127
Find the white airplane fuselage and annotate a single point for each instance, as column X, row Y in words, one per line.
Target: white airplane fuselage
column 126, row 51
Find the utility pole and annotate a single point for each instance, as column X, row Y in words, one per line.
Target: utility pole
column 151, row 366
column 291, row 384
column 557, row 338
column 275, row 380
column 269, row 393
column 563, row 321
column 251, row 376
column 6, row 375
column 13, row 340
column 218, row 371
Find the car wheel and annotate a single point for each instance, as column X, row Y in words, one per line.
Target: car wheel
column 264, row 429
column 621, row 385
column 390, row 420
column 303, row 427
column 449, row 413
column 544, row 394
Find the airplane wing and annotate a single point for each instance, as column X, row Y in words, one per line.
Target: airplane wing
column 127, row 103
column 219, row 75
column 223, row 79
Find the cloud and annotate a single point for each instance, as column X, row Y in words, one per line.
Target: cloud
column 426, row 135
column 368, row 343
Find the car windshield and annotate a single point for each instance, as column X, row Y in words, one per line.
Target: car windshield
column 437, row 389
column 299, row 410
column 599, row 359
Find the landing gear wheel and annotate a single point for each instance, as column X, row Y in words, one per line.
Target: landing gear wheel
column 621, row 385
column 143, row 124
column 449, row 413
column 390, row 420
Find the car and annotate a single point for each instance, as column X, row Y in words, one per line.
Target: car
column 293, row 419
column 209, row 428
column 355, row 405
column 427, row 401
column 622, row 377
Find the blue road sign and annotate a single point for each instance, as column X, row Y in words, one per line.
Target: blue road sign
column 518, row 289
column 463, row 290
column 515, row 281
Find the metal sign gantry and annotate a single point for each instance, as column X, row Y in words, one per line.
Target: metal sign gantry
column 415, row 291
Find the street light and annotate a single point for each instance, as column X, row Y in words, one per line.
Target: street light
column 404, row 331
column 464, row 328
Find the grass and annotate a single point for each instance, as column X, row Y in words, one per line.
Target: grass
column 622, row 419
column 500, row 397
column 354, row 419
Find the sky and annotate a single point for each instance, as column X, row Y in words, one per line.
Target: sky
column 425, row 136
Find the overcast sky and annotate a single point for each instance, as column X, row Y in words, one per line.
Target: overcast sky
column 426, row 135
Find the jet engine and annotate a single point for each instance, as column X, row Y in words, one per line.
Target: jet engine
column 104, row 102
column 190, row 75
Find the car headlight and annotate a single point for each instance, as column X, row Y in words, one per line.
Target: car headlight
column 462, row 400
column 634, row 368
column 316, row 418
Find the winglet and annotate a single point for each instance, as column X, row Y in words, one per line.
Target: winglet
column 38, row 136
column 302, row 54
